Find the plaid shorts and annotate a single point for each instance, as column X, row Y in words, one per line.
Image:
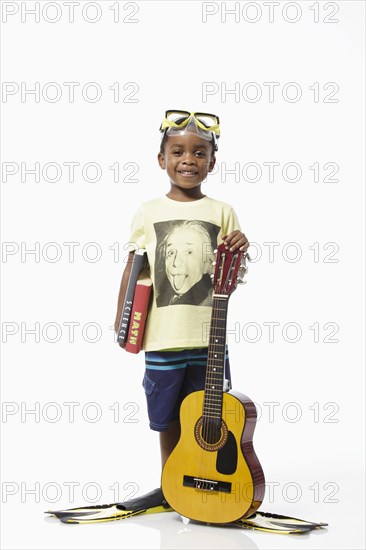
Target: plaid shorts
column 169, row 377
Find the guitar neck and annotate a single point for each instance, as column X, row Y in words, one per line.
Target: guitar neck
column 215, row 371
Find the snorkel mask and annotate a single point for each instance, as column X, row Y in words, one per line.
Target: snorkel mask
column 205, row 125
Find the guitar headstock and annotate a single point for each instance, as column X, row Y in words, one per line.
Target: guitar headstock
column 230, row 269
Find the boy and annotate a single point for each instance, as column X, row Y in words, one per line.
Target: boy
column 180, row 231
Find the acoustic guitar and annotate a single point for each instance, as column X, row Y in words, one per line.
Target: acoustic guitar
column 213, row 474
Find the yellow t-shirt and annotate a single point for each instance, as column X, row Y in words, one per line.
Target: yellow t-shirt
column 179, row 238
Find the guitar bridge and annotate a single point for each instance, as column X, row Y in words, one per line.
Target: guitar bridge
column 206, row 484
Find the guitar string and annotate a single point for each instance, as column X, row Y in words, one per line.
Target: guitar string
column 217, row 325
column 217, row 329
column 211, row 422
column 215, row 401
column 206, row 419
column 208, row 426
column 202, row 465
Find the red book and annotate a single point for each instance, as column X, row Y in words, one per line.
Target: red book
column 140, row 306
column 139, row 263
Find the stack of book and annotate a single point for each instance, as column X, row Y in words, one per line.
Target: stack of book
column 136, row 304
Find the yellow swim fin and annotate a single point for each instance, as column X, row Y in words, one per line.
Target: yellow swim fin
column 151, row 503
column 276, row 523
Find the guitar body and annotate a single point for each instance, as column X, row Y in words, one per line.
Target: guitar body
column 220, row 481
column 213, row 474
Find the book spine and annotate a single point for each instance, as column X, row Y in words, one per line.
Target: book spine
column 139, row 261
column 124, row 322
column 138, row 318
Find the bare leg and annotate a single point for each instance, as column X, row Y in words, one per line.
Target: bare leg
column 168, row 440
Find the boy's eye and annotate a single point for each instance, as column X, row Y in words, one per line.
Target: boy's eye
column 199, row 154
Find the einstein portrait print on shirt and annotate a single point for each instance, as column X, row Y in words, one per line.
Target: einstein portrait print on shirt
column 184, row 256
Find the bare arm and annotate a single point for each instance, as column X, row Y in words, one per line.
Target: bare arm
column 122, row 292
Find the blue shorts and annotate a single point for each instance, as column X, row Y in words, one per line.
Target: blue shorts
column 169, row 377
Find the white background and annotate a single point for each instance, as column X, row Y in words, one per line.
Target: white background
column 311, row 449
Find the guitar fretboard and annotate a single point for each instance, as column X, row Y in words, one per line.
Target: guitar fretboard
column 212, row 402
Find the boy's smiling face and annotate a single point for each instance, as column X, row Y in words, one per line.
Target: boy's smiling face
column 187, row 159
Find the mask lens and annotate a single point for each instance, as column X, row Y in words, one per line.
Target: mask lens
column 173, row 116
column 207, row 119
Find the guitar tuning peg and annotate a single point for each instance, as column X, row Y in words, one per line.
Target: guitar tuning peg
column 212, row 275
column 215, row 250
column 213, row 263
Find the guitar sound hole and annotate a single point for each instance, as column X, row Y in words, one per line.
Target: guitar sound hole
column 211, row 434
column 211, row 431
